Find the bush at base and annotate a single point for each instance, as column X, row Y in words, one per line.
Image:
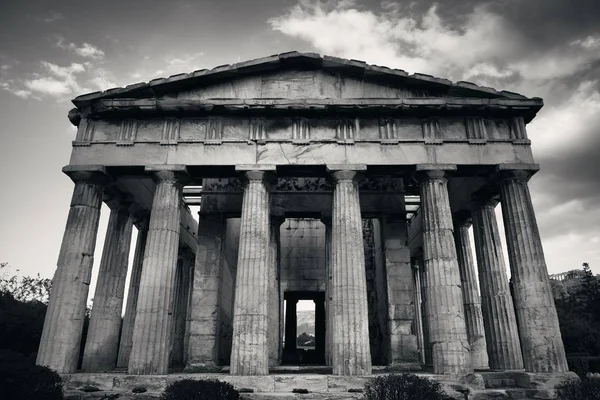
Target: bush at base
column 22, row 380
column 189, row 389
column 586, row 389
column 404, row 387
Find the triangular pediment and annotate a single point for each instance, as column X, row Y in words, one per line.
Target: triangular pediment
column 298, row 76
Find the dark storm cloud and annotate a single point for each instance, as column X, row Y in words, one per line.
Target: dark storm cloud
column 543, row 22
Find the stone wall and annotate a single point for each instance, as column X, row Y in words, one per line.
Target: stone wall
column 302, row 255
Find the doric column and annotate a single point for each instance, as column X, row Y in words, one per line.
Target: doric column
column 471, row 298
column 61, row 335
column 320, row 329
column 290, row 325
column 350, row 336
column 504, row 349
column 188, row 313
column 274, row 318
column 328, row 294
column 426, row 341
column 133, row 293
column 204, row 334
column 102, row 343
column 250, row 349
column 180, row 302
column 541, row 341
column 403, row 350
column 418, row 311
column 447, row 329
column 151, row 333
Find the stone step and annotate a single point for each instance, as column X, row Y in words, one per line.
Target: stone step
column 296, row 396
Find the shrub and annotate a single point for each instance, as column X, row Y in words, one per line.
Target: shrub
column 403, row 387
column 579, row 365
column 189, row 389
column 586, row 389
column 22, row 380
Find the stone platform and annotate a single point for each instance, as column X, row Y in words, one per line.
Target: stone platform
column 479, row 386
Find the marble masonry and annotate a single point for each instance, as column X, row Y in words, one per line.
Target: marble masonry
column 317, row 178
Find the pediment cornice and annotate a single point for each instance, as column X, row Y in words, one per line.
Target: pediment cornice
column 295, row 60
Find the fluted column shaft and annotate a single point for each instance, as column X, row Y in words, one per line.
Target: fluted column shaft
column 102, row 343
column 61, row 335
column 418, row 311
column 541, row 341
column 504, row 349
column 426, row 341
column 274, row 307
column 151, row 332
column 132, row 296
column 447, row 329
column 471, row 298
column 328, row 295
column 180, row 302
column 204, row 329
column 350, row 336
column 188, row 314
column 250, row 348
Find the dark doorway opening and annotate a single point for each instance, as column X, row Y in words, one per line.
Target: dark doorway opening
column 301, row 348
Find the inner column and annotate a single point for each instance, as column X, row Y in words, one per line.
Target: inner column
column 350, row 337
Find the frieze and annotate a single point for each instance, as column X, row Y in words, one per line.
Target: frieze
column 431, row 131
column 258, row 130
column 222, row 185
column 381, row 185
column 170, row 131
column 517, row 129
column 346, row 130
column 127, row 133
column 305, row 184
column 388, row 130
column 301, row 131
column 302, row 184
column 85, row 133
column 214, row 131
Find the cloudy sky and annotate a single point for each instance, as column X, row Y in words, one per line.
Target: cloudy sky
column 51, row 52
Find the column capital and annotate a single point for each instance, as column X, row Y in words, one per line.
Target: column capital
column 484, row 198
column 518, row 172
column 345, row 172
column 87, row 173
column 263, row 173
column 169, row 172
column 141, row 220
column 116, row 199
column 462, row 218
column 427, row 172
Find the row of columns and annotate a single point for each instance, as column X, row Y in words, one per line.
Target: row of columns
column 453, row 324
column 499, row 335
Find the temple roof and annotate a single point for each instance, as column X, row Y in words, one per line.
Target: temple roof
column 296, row 60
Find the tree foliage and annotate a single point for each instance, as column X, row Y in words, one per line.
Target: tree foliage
column 22, row 380
column 24, row 288
column 579, row 318
column 403, row 387
column 210, row 389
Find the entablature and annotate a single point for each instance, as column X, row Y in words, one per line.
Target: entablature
column 346, row 129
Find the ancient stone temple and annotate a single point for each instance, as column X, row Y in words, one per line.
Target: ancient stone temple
column 320, row 179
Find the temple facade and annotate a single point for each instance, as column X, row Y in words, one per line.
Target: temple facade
column 317, row 178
